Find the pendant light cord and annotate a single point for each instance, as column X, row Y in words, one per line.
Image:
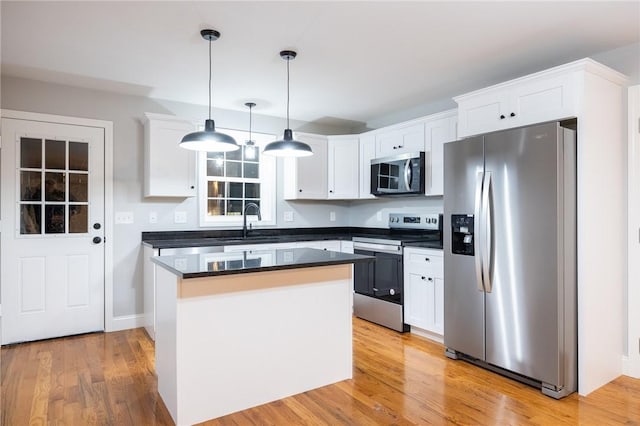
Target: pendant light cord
column 209, row 78
column 250, row 108
column 288, row 60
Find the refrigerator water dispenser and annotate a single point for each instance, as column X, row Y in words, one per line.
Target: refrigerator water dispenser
column 462, row 234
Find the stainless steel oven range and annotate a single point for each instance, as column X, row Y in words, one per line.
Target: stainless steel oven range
column 378, row 286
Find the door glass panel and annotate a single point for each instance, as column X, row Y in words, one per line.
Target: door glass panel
column 234, row 207
column 235, row 190
column 252, row 190
column 54, row 218
column 215, row 168
column 78, row 187
column 78, row 156
column 55, row 154
column 78, row 219
column 235, row 155
column 215, row 207
column 30, row 186
column 251, row 170
column 234, row 169
column 30, row 218
column 252, row 210
column 30, row 153
column 54, row 188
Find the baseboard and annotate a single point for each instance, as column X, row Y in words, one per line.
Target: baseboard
column 427, row 334
column 631, row 367
column 126, row 322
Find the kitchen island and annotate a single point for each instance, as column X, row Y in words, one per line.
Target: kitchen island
column 236, row 330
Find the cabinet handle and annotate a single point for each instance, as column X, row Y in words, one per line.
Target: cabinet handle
column 430, row 279
column 400, row 146
column 192, row 187
column 299, row 190
column 331, row 190
column 502, row 117
column 423, row 278
column 513, row 114
column 427, row 259
column 395, row 147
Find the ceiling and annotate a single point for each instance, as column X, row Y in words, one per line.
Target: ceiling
column 356, row 60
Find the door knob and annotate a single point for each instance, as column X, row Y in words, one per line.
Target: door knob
column 96, row 226
column 97, row 240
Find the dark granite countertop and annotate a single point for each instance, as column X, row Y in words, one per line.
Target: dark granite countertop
column 209, row 238
column 215, row 264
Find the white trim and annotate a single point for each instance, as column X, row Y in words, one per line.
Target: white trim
column 108, row 193
column 435, row 337
column 127, row 322
column 631, row 362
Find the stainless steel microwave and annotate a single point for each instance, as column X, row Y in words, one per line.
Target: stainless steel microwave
column 398, row 175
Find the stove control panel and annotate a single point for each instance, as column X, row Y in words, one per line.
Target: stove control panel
column 415, row 221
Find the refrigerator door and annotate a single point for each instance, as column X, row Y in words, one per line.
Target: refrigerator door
column 463, row 295
column 522, row 299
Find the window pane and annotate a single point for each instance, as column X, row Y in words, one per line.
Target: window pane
column 234, row 169
column 78, row 219
column 215, row 207
column 234, row 207
column 55, row 154
column 78, row 187
column 251, row 170
column 78, row 156
column 215, row 189
column 251, row 153
column 30, row 153
column 54, row 219
column 215, row 168
column 30, row 186
column 215, row 155
column 235, row 155
column 252, row 190
column 54, row 189
column 235, row 190
column 30, row 218
column 252, row 210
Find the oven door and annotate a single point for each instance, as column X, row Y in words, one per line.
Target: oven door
column 381, row 279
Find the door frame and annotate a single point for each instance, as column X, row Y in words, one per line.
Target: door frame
column 631, row 362
column 107, row 126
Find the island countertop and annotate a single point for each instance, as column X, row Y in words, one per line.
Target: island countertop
column 214, row 264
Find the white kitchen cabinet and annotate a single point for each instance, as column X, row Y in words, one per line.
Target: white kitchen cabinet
column 305, row 178
column 346, row 246
column 149, row 290
column 400, row 139
column 330, row 245
column 424, row 291
column 545, row 96
column 439, row 129
column 169, row 171
column 256, row 247
column 342, row 167
column 367, row 153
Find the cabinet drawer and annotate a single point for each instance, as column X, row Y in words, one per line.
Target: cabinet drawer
column 428, row 262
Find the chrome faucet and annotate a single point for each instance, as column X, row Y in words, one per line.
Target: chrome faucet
column 244, row 217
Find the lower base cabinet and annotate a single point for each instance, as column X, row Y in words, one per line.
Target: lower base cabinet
column 424, row 290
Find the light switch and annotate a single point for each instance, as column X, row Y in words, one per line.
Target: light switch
column 332, row 216
column 153, row 217
column 379, row 216
column 180, row 217
column 288, row 216
column 124, row 217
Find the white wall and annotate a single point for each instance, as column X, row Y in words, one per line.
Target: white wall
column 127, row 113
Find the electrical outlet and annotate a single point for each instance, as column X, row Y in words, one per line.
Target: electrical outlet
column 153, row 217
column 180, row 217
column 379, row 216
column 332, row 216
column 288, row 216
column 124, row 218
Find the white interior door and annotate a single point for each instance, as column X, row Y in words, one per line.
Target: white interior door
column 52, row 230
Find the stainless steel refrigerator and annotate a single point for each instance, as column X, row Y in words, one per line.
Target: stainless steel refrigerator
column 510, row 254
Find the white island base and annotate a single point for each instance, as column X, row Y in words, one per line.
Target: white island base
column 230, row 342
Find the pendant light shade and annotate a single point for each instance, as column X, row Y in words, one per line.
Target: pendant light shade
column 287, row 146
column 209, row 139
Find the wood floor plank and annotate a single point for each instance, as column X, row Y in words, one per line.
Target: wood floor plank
column 398, row 379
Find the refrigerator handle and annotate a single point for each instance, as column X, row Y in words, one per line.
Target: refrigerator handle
column 487, row 233
column 477, row 246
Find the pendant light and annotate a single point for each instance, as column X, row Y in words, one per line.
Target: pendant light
column 287, row 146
column 250, row 145
column 209, row 140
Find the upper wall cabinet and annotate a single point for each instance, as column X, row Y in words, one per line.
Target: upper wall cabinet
column 400, row 139
column 343, row 167
column 305, row 178
column 169, row 171
column 544, row 96
column 367, row 153
column 438, row 129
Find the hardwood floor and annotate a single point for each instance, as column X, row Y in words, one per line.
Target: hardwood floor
column 108, row 379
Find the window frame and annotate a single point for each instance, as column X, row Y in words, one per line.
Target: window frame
column 267, row 180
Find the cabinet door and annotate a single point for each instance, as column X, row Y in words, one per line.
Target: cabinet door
column 542, row 99
column 483, row 112
column 170, row 171
column 438, row 306
column 400, row 140
column 367, row 153
column 416, row 301
column 330, row 245
column 437, row 132
column 306, row 177
column 343, row 167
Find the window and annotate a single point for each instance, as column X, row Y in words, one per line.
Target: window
column 231, row 180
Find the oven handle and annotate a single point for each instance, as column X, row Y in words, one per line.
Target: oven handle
column 384, row 248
